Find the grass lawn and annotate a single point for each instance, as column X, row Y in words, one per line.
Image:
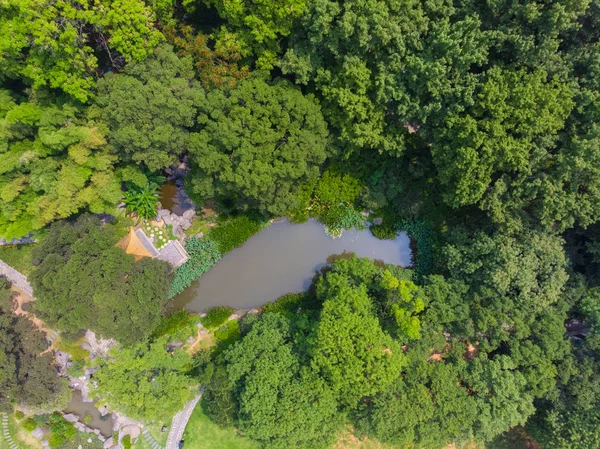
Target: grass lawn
column 201, row 433
column 18, row 257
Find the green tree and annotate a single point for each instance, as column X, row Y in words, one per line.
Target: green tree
column 258, row 26
column 513, row 121
column 84, row 281
column 149, row 108
column 351, row 350
column 161, row 379
column 52, row 43
column 258, row 143
column 54, row 162
column 27, row 378
column 280, row 404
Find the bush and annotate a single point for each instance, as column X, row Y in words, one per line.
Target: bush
column 286, row 305
column 234, row 232
column 216, row 316
column 126, row 442
column 19, row 415
column 227, row 335
column 180, row 320
column 77, row 369
column 30, row 425
column 203, row 256
column 334, row 188
column 384, row 232
column 342, row 217
column 61, row 430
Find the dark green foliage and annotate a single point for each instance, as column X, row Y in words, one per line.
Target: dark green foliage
column 216, row 316
column 84, row 281
column 29, row 424
column 234, row 231
column 203, row 256
column 126, row 442
column 227, row 335
column 383, row 232
column 150, row 108
column 287, row 305
column 218, row 401
column 258, row 143
column 61, row 430
column 26, row 376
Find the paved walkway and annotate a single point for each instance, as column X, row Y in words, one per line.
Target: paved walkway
column 16, row 277
column 6, row 433
column 150, row 440
column 180, row 420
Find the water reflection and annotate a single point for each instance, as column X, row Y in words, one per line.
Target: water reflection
column 282, row 259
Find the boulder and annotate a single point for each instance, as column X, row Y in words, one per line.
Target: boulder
column 71, row 417
column 189, row 214
column 109, row 443
column 96, row 431
column 80, row 426
column 85, row 345
column 132, row 430
column 199, row 235
column 185, row 224
column 45, row 443
column 378, row 220
column 38, row 433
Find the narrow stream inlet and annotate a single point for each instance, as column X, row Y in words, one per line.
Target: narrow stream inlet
column 282, row 259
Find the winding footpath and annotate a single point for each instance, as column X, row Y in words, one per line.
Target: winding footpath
column 179, row 422
column 16, row 277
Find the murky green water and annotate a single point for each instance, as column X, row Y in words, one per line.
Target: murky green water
column 282, row 259
column 83, row 409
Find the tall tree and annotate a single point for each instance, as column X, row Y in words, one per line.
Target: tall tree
column 51, row 43
column 150, row 108
column 84, row 281
column 54, row 162
column 259, row 142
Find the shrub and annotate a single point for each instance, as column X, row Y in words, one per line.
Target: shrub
column 234, row 232
column 334, row 187
column 61, row 430
column 287, row 304
column 216, row 316
column 19, row 415
column 77, row 369
column 342, row 217
column 384, row 232
column 180, row 320
column 203, row 256
column 126, row 441
column 227, row 335
column 30, row 425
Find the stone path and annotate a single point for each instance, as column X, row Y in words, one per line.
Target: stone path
column 179, row 422
column 150, row 440
column 16, row 277
column 6, row 433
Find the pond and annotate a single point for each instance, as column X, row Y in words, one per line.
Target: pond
column 282, row 259
column 173, row 198
column 96, row 420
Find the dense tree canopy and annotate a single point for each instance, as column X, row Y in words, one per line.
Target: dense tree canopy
column 149, row 108
column 56, row 44
column 258, row 143
column 54, row 162
column 27, row 377
column 84, row 281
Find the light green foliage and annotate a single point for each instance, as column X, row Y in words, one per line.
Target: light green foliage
column 234, row 231
column 203, row 256
column 509, row 128
column 259, row 142
column 51, row 43
column 367, row 360
column 280, row 404
column 177, row 323
column 160, row 377
column 216, row 316
column 149, row 108
column 54, row 162
column 405, row 301
column 84, row 281
column 142, row 200
column 259, row 25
